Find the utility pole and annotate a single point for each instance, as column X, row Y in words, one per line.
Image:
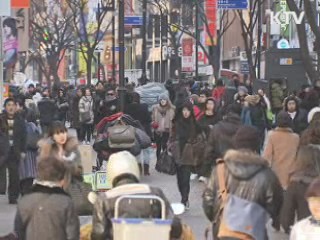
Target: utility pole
column 113, row 41
column 144, row 39
column 197, row 43
column 98, row 60
column 122, row 89
column 258, row 51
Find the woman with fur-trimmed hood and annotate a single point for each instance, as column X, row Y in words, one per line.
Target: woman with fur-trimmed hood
column 248, row 176
column 63, row 147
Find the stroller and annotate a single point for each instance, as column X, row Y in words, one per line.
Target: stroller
column 137, row 139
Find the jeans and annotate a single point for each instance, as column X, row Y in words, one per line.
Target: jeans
column 12, row 164
column 161, row 140
column 144, row 156
column 183, row 177
column 87, row 131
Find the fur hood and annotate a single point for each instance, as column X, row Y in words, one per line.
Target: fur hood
column 244, row 164
column 48, row 147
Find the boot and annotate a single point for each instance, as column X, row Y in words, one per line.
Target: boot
column 146, row 169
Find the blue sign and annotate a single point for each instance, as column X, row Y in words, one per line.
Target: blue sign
column 233, row 4
column 133, row 20
column 117, row 49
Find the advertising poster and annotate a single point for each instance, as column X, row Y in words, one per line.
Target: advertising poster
column 10, row 46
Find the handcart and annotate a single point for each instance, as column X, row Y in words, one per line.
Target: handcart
column 140, row 228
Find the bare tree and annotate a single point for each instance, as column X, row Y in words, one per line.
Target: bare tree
column 51, row 34
column 312, row 70
column 212, row 53
column 249, row 26
column 90, row 36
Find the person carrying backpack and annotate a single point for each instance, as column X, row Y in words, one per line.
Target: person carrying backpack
column 242, row 191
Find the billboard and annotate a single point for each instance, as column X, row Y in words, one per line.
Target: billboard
column 10, row 46
column 211, row 14
column 20, row 3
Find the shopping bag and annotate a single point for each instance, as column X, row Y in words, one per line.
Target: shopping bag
column 166, row 163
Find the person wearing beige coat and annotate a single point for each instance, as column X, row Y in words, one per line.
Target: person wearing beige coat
column 281, row 148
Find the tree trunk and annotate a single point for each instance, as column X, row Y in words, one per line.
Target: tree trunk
column 304, row 50
column 89, row 68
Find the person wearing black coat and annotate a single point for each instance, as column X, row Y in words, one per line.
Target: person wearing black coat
column 48, row 111
column 14, row 128
column 75, row 123
column 248, row 176
column 297, row 114
column 139, row 111
column 62, row 105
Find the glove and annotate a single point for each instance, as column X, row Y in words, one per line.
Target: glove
column 155, row 125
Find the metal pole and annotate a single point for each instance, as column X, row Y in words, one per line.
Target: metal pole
column 113, row 41
column 160, row 69
column 1, row 66
column 258, row 51
column 99, row 55
column 197, row 43
column 144, row 39
column 153, row 48
column 121, row 55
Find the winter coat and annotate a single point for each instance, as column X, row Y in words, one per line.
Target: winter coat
column 71, row 156
column 163, row 116
column 140, row 112
column 48, row 111
column 28, row 166
column 75, row 121
column 208, row 121
column 248, row 176
column 63, row 107
column 300, row 121
column 218, row 93
column 280, row 151
column 19, row 132
column 306, row 229
column 187, row 143
column 277, row 96
column 220, row 137
column 105, row 205
column 46, row 213
column 86, row 105
column 98, row 106
column 295, row 205
column 4, row 148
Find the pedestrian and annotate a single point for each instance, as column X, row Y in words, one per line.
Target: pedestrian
column 210, row 117
column 220, row 136
column 298, row 116
column 253, row 114
column 28, row 166
column 12, row 125
column 48, row 111
column 61, row 146
column 309, row 228
column 86, row 115
column 139, row 111
column 218, row 91
column 248, row 179
column 305, row 170
column 62, row 105
column 185, row 131
column 240, row 96
column 124, row 177
column 277, row 96
column 75, row 115
column 98, row 102
column 281, row 148
column 47, row 211
column 162, row 116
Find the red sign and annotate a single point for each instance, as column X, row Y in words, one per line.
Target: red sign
column 211, row 14
column 187, row 46
column 20, row 3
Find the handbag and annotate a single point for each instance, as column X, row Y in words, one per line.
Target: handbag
column 85, row 117
column 166, row 164
column 121, row 136
column 143, row 138
column 194, row 151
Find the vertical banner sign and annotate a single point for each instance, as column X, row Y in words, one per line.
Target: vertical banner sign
column 10, row 47
column 187, row 12
column 20, row 3
column 187, row 55
column 211, row 14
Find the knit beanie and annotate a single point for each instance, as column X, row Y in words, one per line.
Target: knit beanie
column 247, row 137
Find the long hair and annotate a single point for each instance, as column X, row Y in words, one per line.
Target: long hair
column 312, row 134
column 306, row 158
column 11, row 23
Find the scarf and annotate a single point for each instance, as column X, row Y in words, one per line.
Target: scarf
column 163, row 117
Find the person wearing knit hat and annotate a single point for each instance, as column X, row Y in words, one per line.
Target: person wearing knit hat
column 281, row 148
column 162, row 116
column 247, row 137
column 241, row 95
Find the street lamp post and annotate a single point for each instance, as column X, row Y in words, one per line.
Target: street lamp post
column 113, row 41
column 121, row 89
column 197, row 43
